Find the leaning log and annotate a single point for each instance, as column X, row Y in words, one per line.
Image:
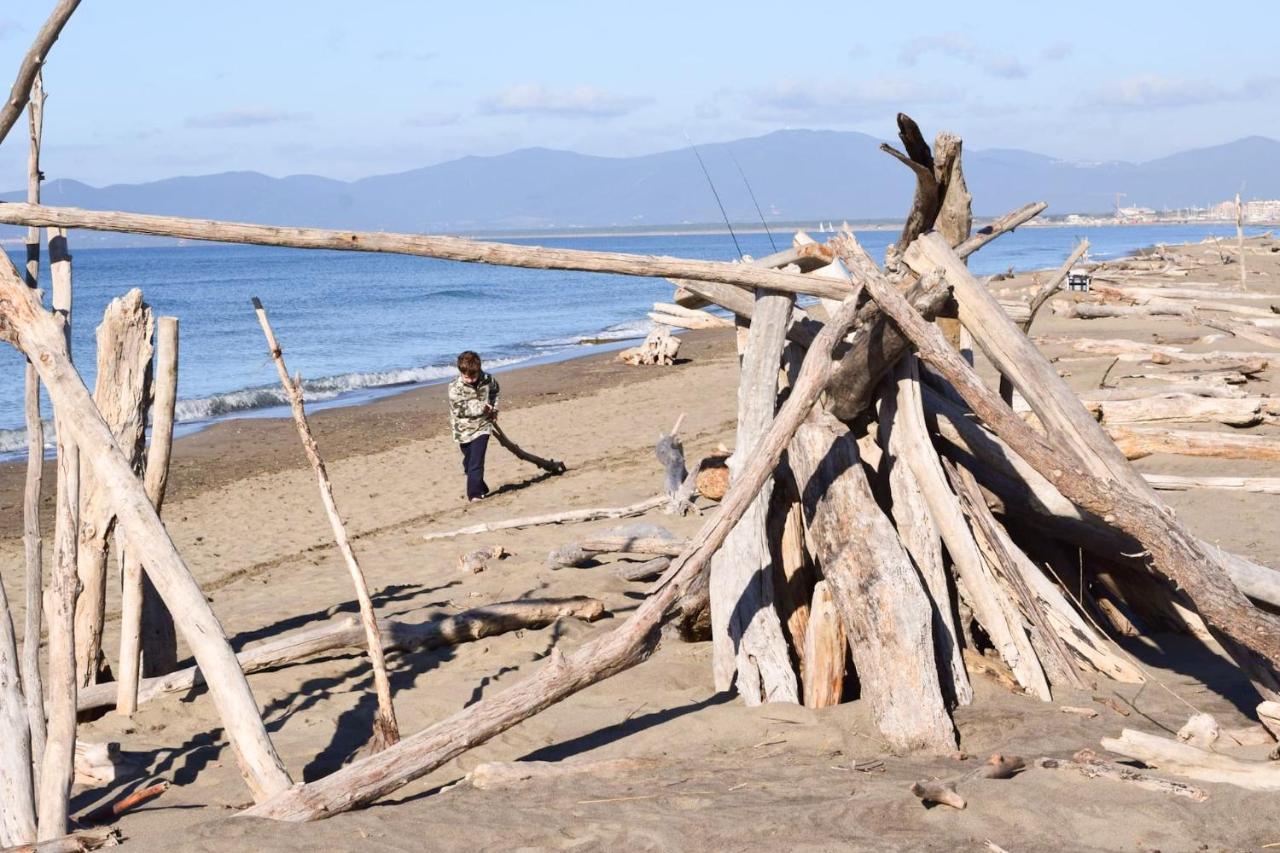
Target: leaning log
column 367, row 779
column 31, row 64
column 17, row 796
column 37, row 334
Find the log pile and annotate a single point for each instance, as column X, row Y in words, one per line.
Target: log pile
column 870, row 541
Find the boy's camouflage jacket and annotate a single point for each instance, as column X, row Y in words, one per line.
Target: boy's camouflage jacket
column 466, row 407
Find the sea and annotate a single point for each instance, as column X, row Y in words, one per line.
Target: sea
column 358, row 326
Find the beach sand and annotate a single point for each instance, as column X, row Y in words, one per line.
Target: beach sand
column 244, row 512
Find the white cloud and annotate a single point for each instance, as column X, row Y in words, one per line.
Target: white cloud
column 245, row 117
column 962, row 49
column 1057, row 51
column 840, row 103
column 433, row 120
column 578, row 102
column 1156, row 91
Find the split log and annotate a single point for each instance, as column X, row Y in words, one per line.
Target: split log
column 386, row 730
column 746, row 633
column 465, row 627
column 903, row 433
column 793, row 572
column 573, row 515
column 1185, row 760
column 147, row 634
column 57, row 771
column 121, row 392
column 822, row 672
column 1138, row 442
column 659, row 348
column 75, row 843
column 31, row 64
column 32, row 537
column 367, row 779
column 1174, row 483
column 551, row 466
column 1091, row 767
column 496, row 775
column 1106, row 486
column 17, row 795
column 427, row 246
column 475, row 562
column 955, row 214
column 37, row 334
column 887, row 616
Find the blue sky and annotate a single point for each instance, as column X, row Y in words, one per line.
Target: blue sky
column 143, row 89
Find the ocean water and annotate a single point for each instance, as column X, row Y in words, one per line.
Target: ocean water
column 357, row 324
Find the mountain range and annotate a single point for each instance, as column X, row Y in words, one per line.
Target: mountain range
column 794, row 175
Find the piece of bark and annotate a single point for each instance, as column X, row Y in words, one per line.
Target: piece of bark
column 573, row 515
column 886, row 614
column 1183, row 759
column 38, row 335
column 369, row 778
column 1083, row 463
column 146, row 626
column 822, row 673
column 1090, row 767
column 467, row 626
column 551, row 466
column 746, row 635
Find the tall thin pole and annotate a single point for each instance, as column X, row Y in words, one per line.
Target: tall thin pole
column 385, row 731
column 1240, row 239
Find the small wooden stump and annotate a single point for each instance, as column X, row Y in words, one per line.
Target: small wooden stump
column 475, row 562
column 659, row 347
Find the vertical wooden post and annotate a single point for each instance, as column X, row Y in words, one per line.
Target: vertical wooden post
column 32, row 538
column 1240, row 240
column 385, row 731
column 17, row 798
column 59, row 755
column 133, row 597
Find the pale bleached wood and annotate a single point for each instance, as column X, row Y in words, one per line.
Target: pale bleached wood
column 955, row 213
column 822, row 672
column 60, row 597
column 1210, row 387
column 1175, row 483
column 994, row 612
column 1092, row 768
column 1269, row 715
column 1098, row 311
column 17, row 795
column 903, row 433
column 1130, row 293
column 886, row 614
column 468, row 626
column 1105, row 486
column 31, row 63
column 1240, row 259
column 367, row 779
column 1241, row 411
column 421, row 245
column 579, row 552
column 1137, row 442
column 1127, row 350
column 120, row 393
column 1183, row 759
column 1051, row 286
column 32, row 537
column 746, row 634
column 79, row 842
column 567, row 517
column 134, row 586
column 386, row 731
column 1241, row 330
column 39, row 336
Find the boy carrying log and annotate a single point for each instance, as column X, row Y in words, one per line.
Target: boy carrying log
column 473, row 406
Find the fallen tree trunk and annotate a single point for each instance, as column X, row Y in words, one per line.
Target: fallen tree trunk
column 468, row 626
column 573, row 515
column 1088, row 766
column 1242, row 411
column 1174, row 483
column 1175, row 757
column 1137, row 442
column 372, row 777
column 38, row 335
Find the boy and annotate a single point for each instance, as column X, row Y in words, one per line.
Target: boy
column 473, row 405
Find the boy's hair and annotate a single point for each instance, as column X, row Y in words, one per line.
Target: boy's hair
column 469, row 364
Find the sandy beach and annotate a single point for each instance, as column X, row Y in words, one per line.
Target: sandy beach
column 244, row 512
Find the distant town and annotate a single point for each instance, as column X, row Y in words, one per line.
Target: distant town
column 1256, row 212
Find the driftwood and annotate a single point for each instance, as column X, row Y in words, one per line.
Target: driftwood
column 78, row 842
column 886, row 614
column 111, row 811
column 573, row 515
column 659, row 348
column 475, row 562
column 120, row 393
column 97, row 763
column 369, row 778
column 746, row 634
column 1126, row 350
column 39, row 336
column 943, row 791
column 1137, row 442
column 386, row 730
column 646, row 571
column 670, row 452
column 17, row 796
column 1051, row 286
column 31, row 64
column 1088, row 765
column 142, row 612
column 1174, row 483
column 1183, row 759
column 822, row 673
column 712, row 478
column 1240, row 411
column 1087, row 469
column 467, row 626
column 551, row 466
column 578, row 553
column 668, row 314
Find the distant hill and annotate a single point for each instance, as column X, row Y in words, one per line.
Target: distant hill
column 795, row 174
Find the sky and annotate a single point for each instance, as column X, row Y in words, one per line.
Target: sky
column 142, row 89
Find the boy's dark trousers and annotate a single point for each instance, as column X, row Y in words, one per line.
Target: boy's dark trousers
column 473, row 463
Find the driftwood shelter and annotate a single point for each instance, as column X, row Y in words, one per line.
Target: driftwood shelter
column 878, row 505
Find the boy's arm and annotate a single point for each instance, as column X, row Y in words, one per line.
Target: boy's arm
column 493, row 393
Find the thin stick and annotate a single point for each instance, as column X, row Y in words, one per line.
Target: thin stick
column 165, row 385
column 573, row 515
column 109, row 812
column 1041, row 297
column 551, row 466
column 1240, row 241
column 31, row 64
column 32, row 538
column 386, row 731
